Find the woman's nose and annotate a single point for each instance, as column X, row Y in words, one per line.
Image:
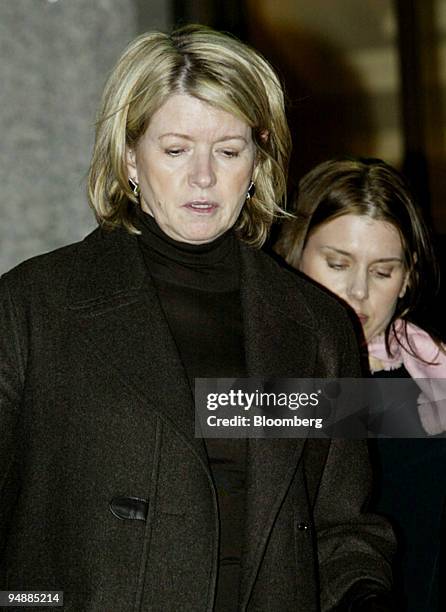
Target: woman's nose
column 201, row 172
column 358, row 287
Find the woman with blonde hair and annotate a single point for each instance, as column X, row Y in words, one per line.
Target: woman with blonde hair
column 106, row 493
column 358, row 232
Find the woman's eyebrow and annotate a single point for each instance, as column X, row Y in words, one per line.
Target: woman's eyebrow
column 176, row 135
column 232, row 137
column 188, row 137
column 378, row 260
column 339, row 251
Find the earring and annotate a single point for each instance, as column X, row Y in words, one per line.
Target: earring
column 134, row 187
column 251, row 191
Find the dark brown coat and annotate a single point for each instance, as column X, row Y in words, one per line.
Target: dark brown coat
column 95, row 405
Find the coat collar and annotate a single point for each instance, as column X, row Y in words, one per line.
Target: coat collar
column 120, row 319
column 109, row 277
column 278, row 325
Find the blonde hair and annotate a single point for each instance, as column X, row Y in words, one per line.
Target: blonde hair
column 214, row 68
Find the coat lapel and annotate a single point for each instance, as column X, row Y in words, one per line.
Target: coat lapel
column 118, row 316
column 279, row 328
column 280, row 343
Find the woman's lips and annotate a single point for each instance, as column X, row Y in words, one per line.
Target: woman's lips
column 201, row 207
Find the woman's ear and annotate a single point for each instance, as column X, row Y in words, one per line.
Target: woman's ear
column 405, row 285
column 407, row 276
column 130, row 158
column 264, row 135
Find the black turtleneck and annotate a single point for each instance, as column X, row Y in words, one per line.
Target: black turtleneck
column 198, row 287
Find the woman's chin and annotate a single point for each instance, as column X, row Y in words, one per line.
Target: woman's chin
column 200, row 233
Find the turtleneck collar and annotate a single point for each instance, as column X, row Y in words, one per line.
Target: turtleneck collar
column 211, row 266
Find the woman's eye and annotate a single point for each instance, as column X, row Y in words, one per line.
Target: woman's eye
column 337, row 265
column 229, row 153
column 174, row 152
column 383, row 273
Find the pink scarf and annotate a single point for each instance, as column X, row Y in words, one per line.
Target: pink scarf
column 430, row 377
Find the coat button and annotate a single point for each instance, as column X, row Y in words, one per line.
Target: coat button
column 303, row 526
column 133, row 508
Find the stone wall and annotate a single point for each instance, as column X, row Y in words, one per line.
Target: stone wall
column 55, row 57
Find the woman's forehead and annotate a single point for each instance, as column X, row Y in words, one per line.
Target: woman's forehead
column 183, row 114
column 361, row 234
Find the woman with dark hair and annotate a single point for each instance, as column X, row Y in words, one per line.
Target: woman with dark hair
column 358, row 232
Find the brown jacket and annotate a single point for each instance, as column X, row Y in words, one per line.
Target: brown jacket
column 106, row 493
